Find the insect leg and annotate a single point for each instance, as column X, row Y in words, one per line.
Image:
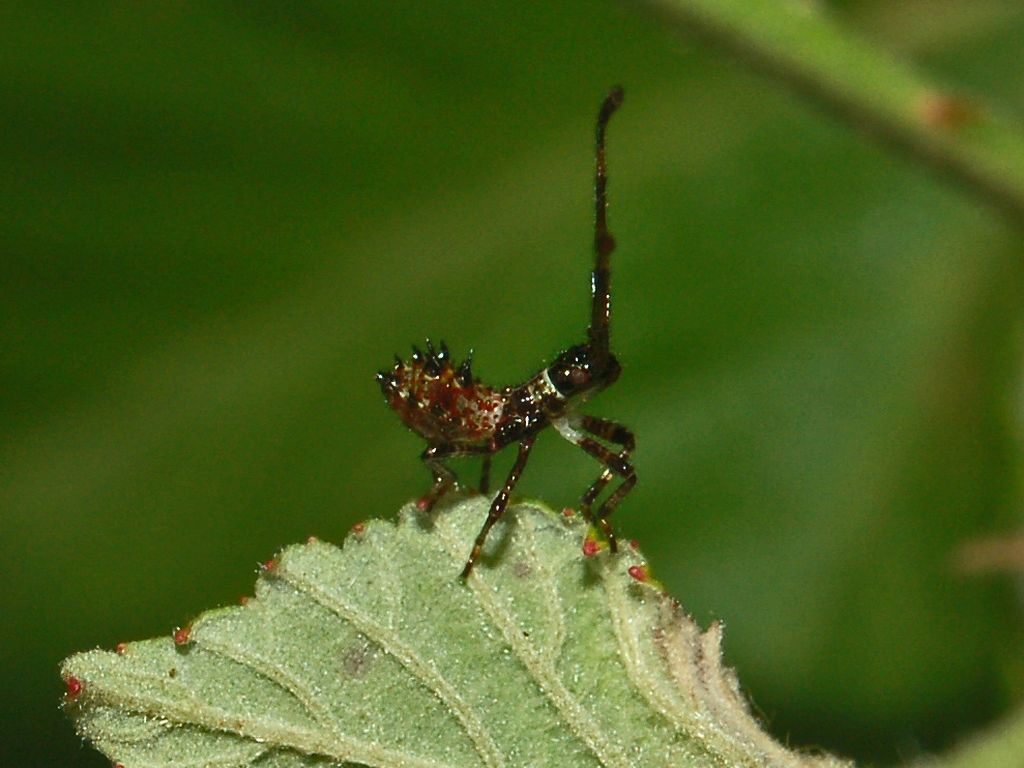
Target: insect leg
column 613, row 432
column 444, row 478
column 613, row 501
column 614, row 464
column 500, row 502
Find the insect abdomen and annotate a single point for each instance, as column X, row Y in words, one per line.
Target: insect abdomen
column 441, row 403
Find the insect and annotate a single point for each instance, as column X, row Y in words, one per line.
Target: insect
column 460, row 416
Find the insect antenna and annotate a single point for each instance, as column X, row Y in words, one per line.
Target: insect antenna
column 604, row 243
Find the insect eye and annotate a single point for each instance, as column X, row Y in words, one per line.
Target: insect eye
column 569, row 378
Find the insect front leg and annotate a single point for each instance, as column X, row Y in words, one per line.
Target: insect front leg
column 614, row 464
column 619, row 463
column 500, row 503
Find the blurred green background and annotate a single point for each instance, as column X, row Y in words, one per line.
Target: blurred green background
column 218, row 220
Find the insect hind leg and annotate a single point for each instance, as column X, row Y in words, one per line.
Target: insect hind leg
column 444, row 478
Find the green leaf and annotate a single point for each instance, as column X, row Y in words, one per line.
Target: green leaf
column 377, row 654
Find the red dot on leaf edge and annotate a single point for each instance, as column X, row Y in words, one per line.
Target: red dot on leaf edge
column 639, row 572
column 74, row 687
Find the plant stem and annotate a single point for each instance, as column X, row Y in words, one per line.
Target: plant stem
column 796, row 43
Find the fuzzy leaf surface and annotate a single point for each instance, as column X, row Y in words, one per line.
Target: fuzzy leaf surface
column 377, row 654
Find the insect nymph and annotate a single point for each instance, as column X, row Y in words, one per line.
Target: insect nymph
column 460, row 416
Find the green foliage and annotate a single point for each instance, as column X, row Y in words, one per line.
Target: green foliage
column 378, row 654
column 808, row 52
column 219, row 221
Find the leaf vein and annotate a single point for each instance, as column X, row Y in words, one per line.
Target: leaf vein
column 388, row 640
column 195, row 711
column 539, row 666
column 273, row 673
column 555, row 609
